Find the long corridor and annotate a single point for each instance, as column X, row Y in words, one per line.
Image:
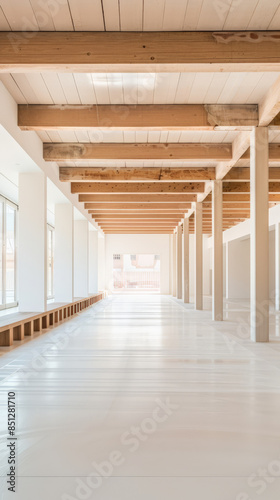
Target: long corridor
column 142, row 398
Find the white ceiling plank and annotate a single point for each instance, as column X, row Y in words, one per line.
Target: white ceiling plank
column 216, row 87
column 141, row 135
column 39, row 87
column 67, row 135
column 85, row 88
column 129, row 136
column 82, row 135
column 190, row 136
column 131, row 14
column 213, row 14
column 146, row 88
column 185, row 83
column 26, row 89
column 4, row 25
column 87, row 15
column 61, row 15
column 249, row 84
column 200, row 88
column 69, row 88
column 54, row 87
column 275, row 22
column 163, row 136
column 174, row 15
column 13, row 88
column 112, row 136
column 20, row 15
column 43, row 136
column 111, row 15
column 233, row 83
column 54, row 136
column 266, row 81
column 153, row 15
column 153, row 136
column 192, row 15
column 174, row 136
column 240, row 14
column 115, row 88
column 130, row 88
column 166, row 87
column 263, row 15
column 43, row 15
column 100, row 84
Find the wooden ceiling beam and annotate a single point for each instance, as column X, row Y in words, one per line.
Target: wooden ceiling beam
column 139, row 117
column 137, row 216
column 136, row 199
column 243, row 174
column 244, row 187
column 155, row 207
column 137, row 187
column 67, row 174
column 136, row 151
column 93, row 52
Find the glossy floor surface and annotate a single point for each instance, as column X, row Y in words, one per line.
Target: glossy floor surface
column 143, row 398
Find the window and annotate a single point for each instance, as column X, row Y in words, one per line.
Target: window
column 8, row 220
column 50, row 257
column 136, row 273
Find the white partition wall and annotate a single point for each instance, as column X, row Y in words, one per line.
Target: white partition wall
column 81, row 248
column 32, row 254
column 64, row 253
column 93, row 261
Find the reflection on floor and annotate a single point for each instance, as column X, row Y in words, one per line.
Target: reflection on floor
column 156, row 397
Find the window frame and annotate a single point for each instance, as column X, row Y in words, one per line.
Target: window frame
column 6, row 202
column 50, row 229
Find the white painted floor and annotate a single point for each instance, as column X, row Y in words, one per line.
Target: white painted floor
column 185, row 408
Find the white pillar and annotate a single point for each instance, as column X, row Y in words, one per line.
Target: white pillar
column 277, row 266
column 186, row 260
column 81, row 247
column 259, row 235
column 198, row 257
column 93, row 261
column 217, row 252
column 32, row 253
column 64, row 253
column 179, row 262
column 174, row 264
column 170, row 264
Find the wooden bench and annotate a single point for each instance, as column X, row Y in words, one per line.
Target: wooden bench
column 30, row 323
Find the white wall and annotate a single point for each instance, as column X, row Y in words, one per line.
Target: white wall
column 101, row 263
column 238, row 269
column 157, row 244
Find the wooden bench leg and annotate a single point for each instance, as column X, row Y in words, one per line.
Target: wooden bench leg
column 37, row 325
column 18, row 333
column 6, row 337
column 28, row 328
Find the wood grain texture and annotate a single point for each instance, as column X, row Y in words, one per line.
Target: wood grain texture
column 142, row 116
column 137, row 187
column 67, row 174
column 140, row 51
column 136, row 151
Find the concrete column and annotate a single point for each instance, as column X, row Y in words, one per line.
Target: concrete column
column 32, row 251
column 198, row 282
column 259, row 235
column 93, row 261
column 217, row 253
column 174, row 264
column 81, row 248
column 186, row 260
column 179, row 262
column 64, row 253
